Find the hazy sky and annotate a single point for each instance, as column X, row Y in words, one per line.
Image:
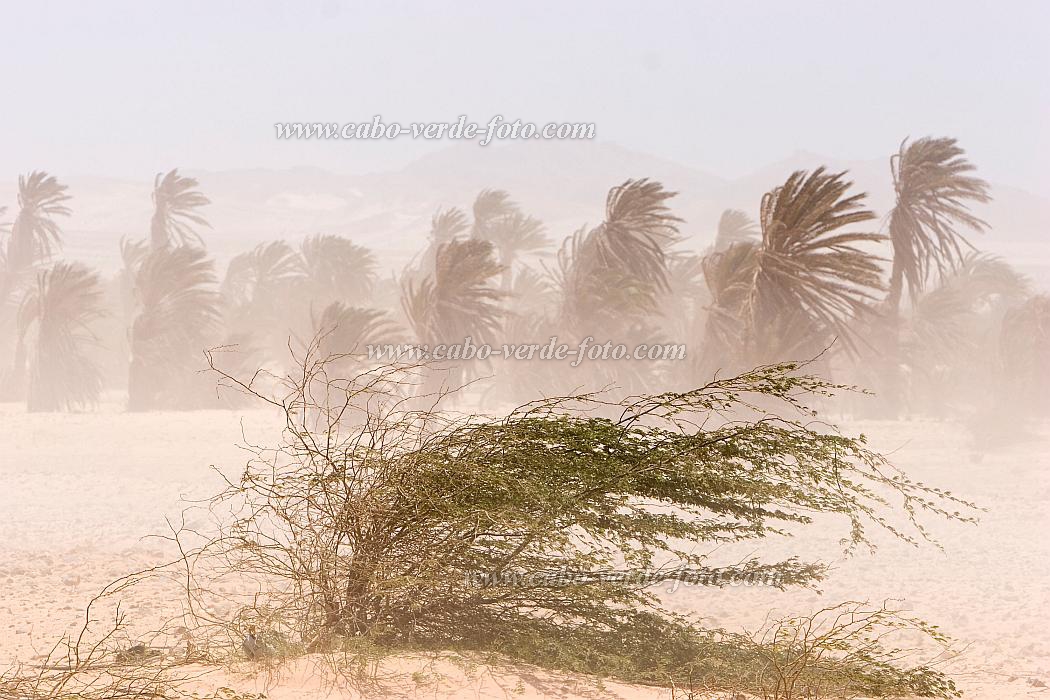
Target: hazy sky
column 132, row 88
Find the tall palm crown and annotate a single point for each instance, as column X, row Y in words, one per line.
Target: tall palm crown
column 175, row 204
column 260, row 279
column 934, row 188
column 806, row 267
column 499, row 220
column 337, row 269
column 35, row 234
column 622, row 263
column 458, row 299
column 489, row 207
column 346, row 330
column 512, row 235
column 58, row 312
column 734, row 226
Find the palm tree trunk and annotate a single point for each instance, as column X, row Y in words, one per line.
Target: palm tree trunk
column 891, row 399
column 507, row 275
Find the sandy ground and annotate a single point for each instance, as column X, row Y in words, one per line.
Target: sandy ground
column 79, row 492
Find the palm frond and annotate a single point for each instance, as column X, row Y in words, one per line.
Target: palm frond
column 35, row 234
column 637, row 231
column 446, row 224
column 934, row 189
column 178, row 319
column 734, row 226
column 347, row 330
column 458, row 300
column 176, row 202
column 489, row 206
column 338, row 269
column 58, row 313
column 806, row 264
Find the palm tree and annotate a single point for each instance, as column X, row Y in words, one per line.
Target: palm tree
column 490, row 206
column 345, row 331
column 611, row 279
column 512, row 235
column 260, row 292
column 729, row 275
column 337, row 269
column 809, row 275
column 458, row 300
column 616, row 270
column 35, row 234
column 178, row 319
column 59, row 312
column 734, row 226
column 949, row 340
column 499, row 220
column 933, row 186
column 175, row 204
column 446, row 225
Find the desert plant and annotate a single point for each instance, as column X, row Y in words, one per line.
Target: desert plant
column 542, row 529
column 847, row 650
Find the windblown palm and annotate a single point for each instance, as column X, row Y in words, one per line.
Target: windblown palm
column 261, row 296
column 337, row 269
column 34, row 237
column 55, row 324
column 498, row 220
column 528, row 320
column 35, row 234
column 729, row 275
column 1024, row 346
column 951, row 334
column 934, row 188
column 445, row 226
column 346, row 331
column 512, row 235
column 611, row 278
column 458, row 299
column 176, row 202
column 810, row 276
column 178, row 319
column 620, row 266
column 734, row 227
column 489, row 207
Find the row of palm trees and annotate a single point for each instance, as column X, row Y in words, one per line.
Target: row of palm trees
column 807, row 275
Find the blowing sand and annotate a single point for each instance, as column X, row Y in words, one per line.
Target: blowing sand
column 80, row 492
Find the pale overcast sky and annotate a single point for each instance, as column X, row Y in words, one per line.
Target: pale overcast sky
column 132, row 88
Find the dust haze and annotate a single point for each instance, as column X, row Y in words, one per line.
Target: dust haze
column 582, row 416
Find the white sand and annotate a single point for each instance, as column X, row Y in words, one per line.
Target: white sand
column 79, row 492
